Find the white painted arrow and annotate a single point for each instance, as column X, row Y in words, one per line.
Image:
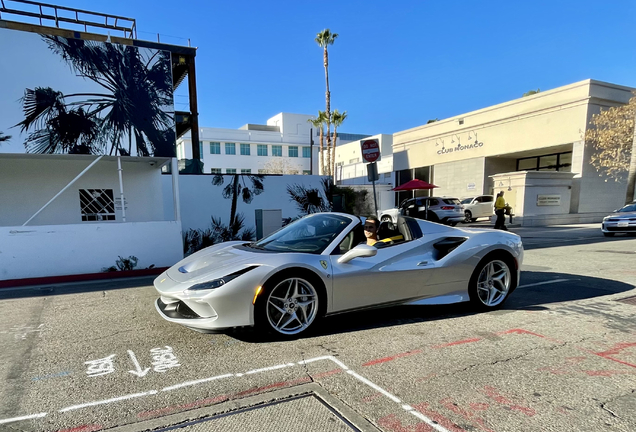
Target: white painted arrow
column 139, row 372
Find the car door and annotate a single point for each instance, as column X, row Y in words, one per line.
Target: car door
column 486, row 206
column 396, row 273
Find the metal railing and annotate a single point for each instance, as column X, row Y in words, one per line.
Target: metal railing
column 61, row 15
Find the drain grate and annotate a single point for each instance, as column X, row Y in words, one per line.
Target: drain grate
column 628, row 300
column 306, row 412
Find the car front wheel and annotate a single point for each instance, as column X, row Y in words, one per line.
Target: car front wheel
column 491, row 283
column 289, row 306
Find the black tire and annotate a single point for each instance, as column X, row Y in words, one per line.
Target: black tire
column 432, row 217
column 452, row 224
column 608, row 234
column 265, row 312
column 499, row 259
column 468, row 217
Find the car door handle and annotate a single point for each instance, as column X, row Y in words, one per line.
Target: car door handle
column 422, row 263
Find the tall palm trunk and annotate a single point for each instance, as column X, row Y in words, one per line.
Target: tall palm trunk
column 322, row 153
column 333, row 154
column 631, row 176
column 328, row 107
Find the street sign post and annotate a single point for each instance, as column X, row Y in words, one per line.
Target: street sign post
column 370, row 149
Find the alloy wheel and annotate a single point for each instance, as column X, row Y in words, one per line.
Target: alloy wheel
column 493, row 283
column 292, row 306
column 468, row 216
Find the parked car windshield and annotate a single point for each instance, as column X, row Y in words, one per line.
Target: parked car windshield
column 311, row 234
column 467, row 200
column 628, row 208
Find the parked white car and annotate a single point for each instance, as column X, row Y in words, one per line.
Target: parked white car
column 478, row 206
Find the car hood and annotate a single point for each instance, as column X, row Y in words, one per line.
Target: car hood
column 215, row 261
column 624, row 215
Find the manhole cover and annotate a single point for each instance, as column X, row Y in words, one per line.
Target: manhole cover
column 628, row 300
column 303, row 413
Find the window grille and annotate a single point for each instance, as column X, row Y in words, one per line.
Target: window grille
column 97, row 204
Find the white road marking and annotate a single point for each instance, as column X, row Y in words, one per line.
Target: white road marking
column 107, row 401
column 195, row 382
column 374, row 387
column 138, row 370
column 266, row 369
column 28, row 417
column 543, row 283
column 360, row 378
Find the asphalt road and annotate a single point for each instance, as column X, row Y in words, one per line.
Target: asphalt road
column 560, row 356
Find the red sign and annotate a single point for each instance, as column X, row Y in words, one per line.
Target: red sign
column 370, row 150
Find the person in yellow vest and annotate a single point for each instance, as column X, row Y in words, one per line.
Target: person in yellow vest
column 500, row 211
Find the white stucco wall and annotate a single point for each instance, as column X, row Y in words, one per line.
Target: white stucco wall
column 26, row 184
column 453, row 178
column 200, row 199
column 60, row 250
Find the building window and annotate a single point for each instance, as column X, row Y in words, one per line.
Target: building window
column 277, row 150
column 306, row 172
column 215, row 148
column 97, row 204
column 306, row 152
column 550, row 162
column 200, row 149
column 230, row 148
column 261, row 149
column 292, row 151
column 246, row 171
column 352, row 161
column 245, row 149
column 387, row 175
column 230, row 171
column 215, row 170
column 262, row 171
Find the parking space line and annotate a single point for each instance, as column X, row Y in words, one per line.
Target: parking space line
column 544, row 283
column 107, row 401
column 27, row 417
column 195, row 382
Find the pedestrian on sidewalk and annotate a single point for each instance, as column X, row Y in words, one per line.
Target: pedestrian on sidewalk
column 500, row 210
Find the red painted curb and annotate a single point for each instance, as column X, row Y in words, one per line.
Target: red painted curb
column 11, row 283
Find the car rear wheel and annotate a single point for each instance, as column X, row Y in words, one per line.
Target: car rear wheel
column 608, row 234
column 491, row 282
column 289, row 306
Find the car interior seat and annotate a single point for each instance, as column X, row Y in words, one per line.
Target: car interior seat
column 389, row 233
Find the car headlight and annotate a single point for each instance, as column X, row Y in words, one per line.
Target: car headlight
column 216, row 283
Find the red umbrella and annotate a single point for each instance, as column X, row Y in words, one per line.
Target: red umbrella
column 414, row 185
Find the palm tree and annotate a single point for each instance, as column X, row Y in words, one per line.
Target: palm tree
column 324, row 39
column 4, row 137
column 308, row 200
column 337, row 118
column 319, row 123
column 239, row 184
column 137, row 102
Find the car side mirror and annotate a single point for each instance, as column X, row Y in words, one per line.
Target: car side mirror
column 360, row 251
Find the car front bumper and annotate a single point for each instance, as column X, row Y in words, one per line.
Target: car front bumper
column 613, row 226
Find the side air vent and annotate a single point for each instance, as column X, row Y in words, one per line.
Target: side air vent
column 447, row 245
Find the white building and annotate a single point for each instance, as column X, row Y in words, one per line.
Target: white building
column 282, row 146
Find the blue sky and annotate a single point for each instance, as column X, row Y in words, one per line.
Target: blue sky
column 395, row 64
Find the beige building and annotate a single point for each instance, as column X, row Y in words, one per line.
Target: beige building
column 543, row 132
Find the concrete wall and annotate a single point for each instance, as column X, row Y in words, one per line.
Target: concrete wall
column 496, row 165
column 200, row 199
column 453, row 179
column 29, row 183
column 60, row 250
column 354, row 169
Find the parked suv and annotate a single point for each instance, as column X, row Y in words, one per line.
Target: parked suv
column 478, row 206
column 440, row 209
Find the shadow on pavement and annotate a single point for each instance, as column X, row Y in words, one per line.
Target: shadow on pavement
column 535, row 241
column 526, row 297
column 75, row 287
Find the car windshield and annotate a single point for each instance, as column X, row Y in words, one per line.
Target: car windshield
column 452, row 201
column 628, row 208
column 467, row 200
column 311, row 234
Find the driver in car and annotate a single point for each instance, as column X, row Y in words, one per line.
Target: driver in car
column 371, row 225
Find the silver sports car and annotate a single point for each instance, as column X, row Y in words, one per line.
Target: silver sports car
column 321, row 265
column 622, row 220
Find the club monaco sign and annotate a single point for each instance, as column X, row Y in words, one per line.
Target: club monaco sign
column 460, row 147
